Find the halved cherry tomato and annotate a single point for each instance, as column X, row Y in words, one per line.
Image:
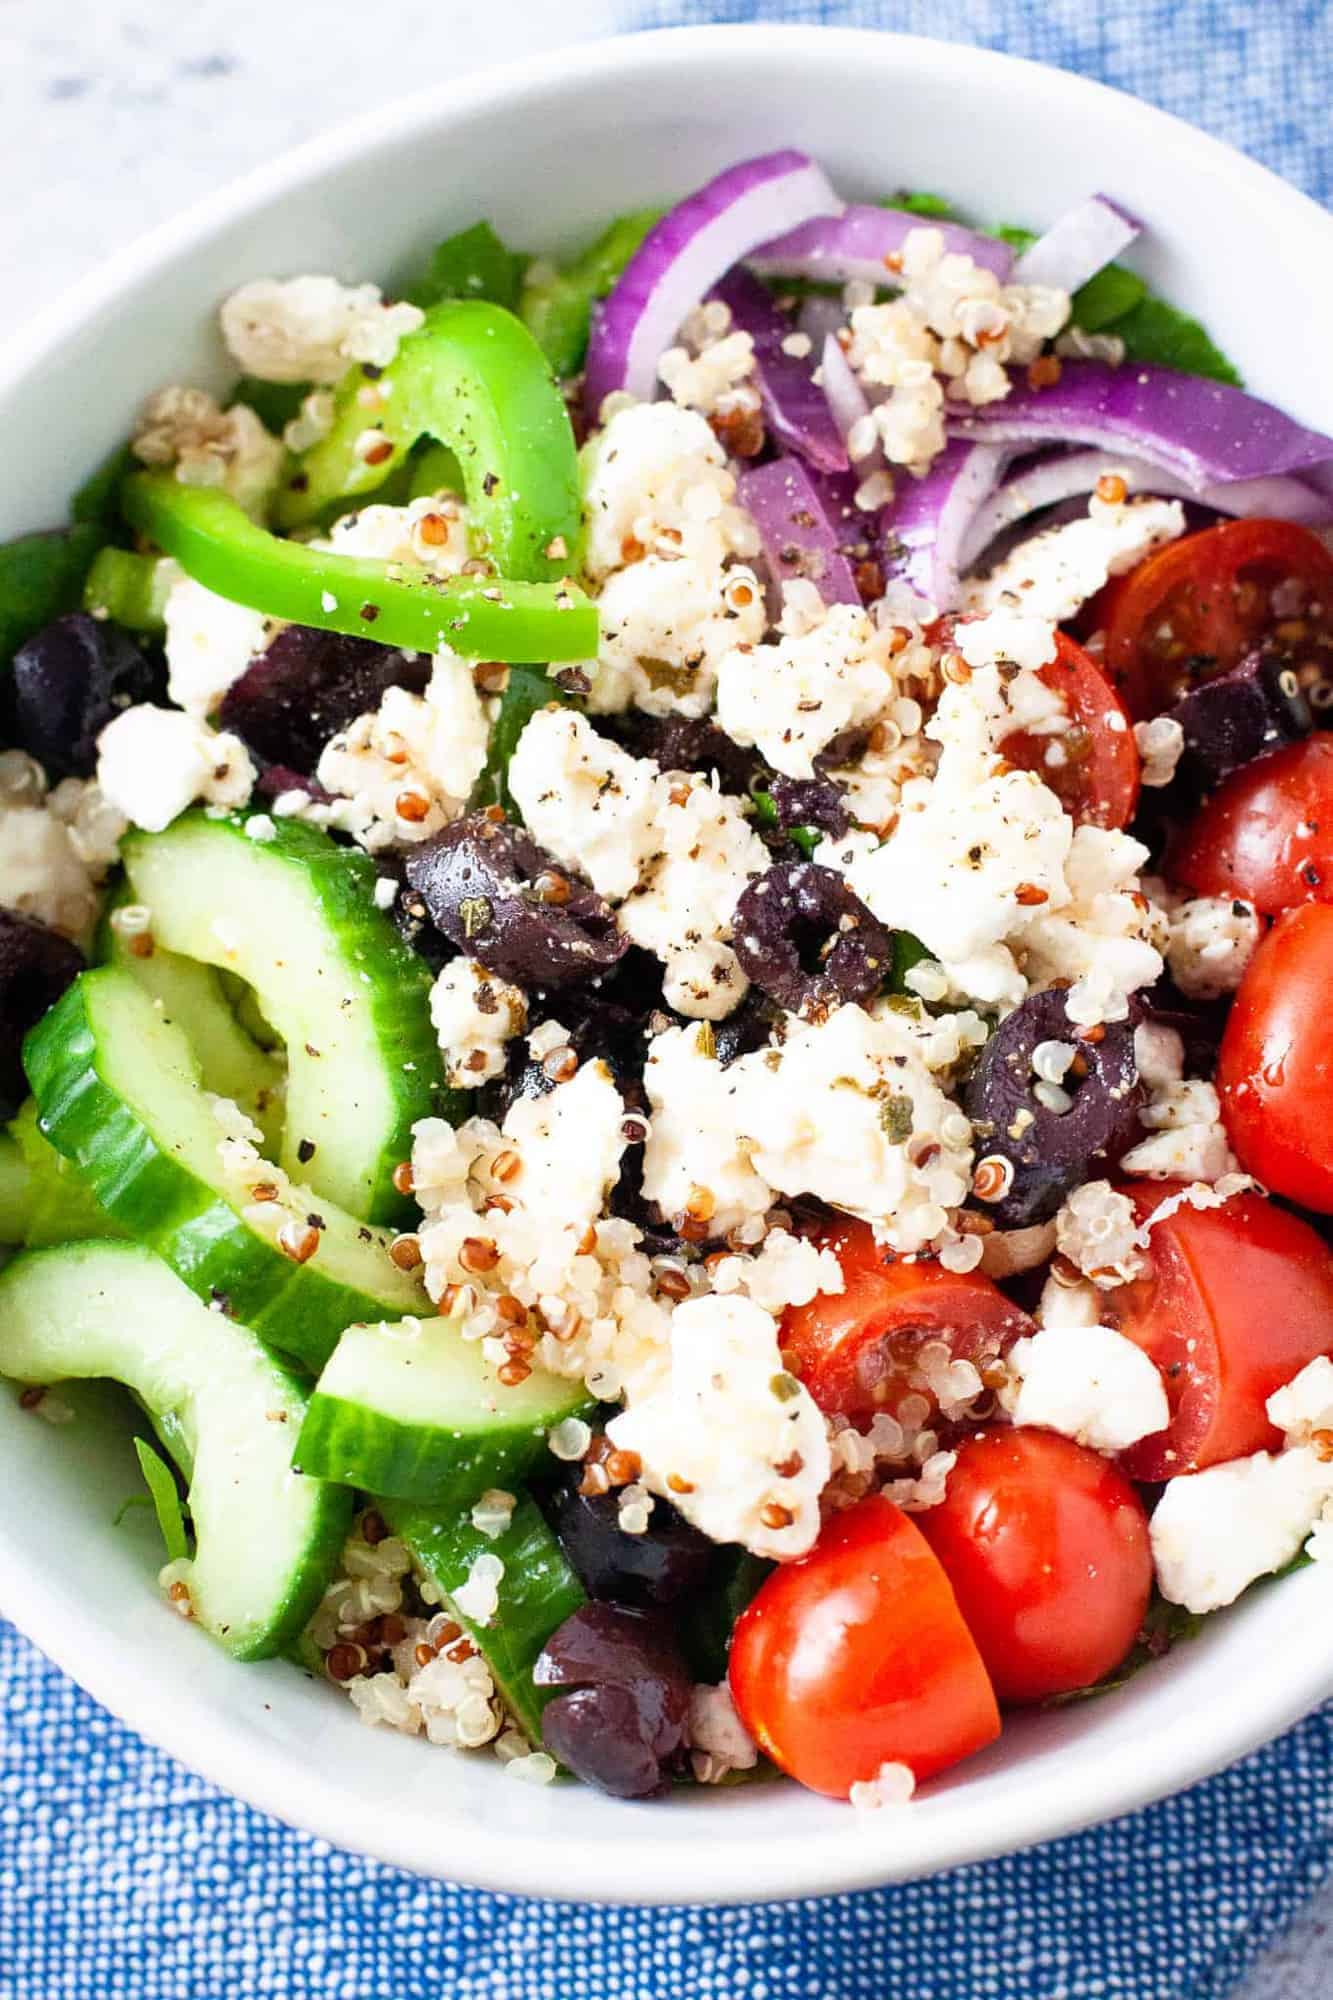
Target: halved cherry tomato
column 1235, row 1301
column 857, row 1350
column 857, row 1655
column 1275, row 1068
column 1266, row 835
column 1095, row 774
column 1199, row 605
column 1046, row 1546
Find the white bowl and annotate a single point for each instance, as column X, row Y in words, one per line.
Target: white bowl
column 548, row 150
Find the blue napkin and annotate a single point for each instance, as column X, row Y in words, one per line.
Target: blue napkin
column 123, row 1877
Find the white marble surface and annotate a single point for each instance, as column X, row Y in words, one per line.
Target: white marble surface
column 116, row 116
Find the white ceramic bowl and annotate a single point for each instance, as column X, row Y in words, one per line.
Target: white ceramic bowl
column 548, row 150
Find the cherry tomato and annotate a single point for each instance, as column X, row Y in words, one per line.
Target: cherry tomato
column 857, row 1350
column 1234, row 1302
column 1096, row 775
column 857, row 1655
column 1199, row 605
column 1275, row 1069
column 1046, row 1546
column 1266, row 835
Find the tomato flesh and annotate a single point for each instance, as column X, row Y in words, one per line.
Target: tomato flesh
column 858, row 1350
column 857, row 1655
column 1234, row 1302
column 1266, row 834
column 1046, row 1546
column 1095, row 774
column 1275, row 1067
column 1198, row 606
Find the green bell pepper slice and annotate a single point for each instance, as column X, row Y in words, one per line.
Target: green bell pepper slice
column 474, row 379
column 128, row 589
column 482, row 617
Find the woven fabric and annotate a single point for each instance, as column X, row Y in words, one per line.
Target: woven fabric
column 124, row 1877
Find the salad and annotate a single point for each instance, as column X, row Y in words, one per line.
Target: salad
column 667, row 928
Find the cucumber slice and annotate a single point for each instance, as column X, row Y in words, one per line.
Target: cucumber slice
column 537, row 1592
column 119, row 1092
column 230, row 1061
column 267, row 1537
column 60, row 1207
column 295, row 916
column 414, row 1410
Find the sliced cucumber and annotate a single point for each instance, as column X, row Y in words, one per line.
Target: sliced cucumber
column 60, row 1208
column 191, row 994
column 413, row 1409
column 537, row 1592
column 120, row 1094
column 295, row 917
column 267, row 1538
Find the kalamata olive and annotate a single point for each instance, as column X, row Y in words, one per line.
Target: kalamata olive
column 668, row 1560
column 499, row 896
column 36, row 965
column 809, row 802
column 1256, row 707
column 806, row 939
column 307, row 685
column 747, row 1028
column 623, row 1720
column 685, row 743
column 1051, row 1135
column 68, row 681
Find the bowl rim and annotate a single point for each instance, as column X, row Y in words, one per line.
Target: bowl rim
column 500, row 1860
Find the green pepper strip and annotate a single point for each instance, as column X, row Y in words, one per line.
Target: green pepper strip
column 474, row 379
column 130, row 590
column 480, row 617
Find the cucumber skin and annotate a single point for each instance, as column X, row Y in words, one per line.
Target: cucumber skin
column 446, row 1469
column 395, row 981
column 550, row 1592
column 336, row 1509
column 165, row 1206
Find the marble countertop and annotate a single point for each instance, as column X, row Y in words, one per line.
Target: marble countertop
column 119, row 115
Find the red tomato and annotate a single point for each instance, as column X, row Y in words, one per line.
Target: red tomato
column 1199, row 605
column 1046, row 1546
column 1275, row 1069
column 856, row 1350
column 1234, row 1303
column 857, row 1655
column 1266, row 834
column 1097, row 779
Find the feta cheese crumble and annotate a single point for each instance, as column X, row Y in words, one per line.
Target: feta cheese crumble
column 1087, row 1382
column 792, row 698
column 209, row 642
column 154, row 762
column 734, row 1441
column 311, row 329
column 475, row 1014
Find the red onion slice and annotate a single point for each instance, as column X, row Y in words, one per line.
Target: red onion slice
column 1064, row 478
column 1084, row 241
column 685, row 254
column 1204, row 432
column 796, row 522
column 928, row 523
column 797, row 410
column 835, row 250
column 847, row 400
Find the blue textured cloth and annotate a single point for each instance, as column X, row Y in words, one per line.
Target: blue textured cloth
column 123, row 1877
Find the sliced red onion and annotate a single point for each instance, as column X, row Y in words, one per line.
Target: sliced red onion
column 797, row 524
column 927, row 526
column 693, row 245
column 1055, row 479
column 855, row 244
column 1204, row 432
column 797, row 410
column 846, row 399
column 1084, row 241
